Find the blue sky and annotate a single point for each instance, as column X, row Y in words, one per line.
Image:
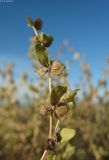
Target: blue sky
column 85, row 23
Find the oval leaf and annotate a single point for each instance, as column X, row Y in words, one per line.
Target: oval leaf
column 67, row 134
column 56, row 93
column 43, row 57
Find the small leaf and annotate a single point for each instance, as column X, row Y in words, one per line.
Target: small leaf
column 57, row 68
column 30, row 22
column 56, row 93
column 67, row 134
column 38, row 24
column 43, row 57
column 70, row 98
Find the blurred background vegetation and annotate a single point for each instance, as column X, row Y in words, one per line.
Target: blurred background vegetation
column 23, row 129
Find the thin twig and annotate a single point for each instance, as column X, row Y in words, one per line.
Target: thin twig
column 50, row 127
column 49, row 79
column 35, row 31
column 50, row 123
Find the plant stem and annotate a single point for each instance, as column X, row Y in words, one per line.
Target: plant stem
column 49, row 79
column 51, row 120
column 35, row 31
column 44, row 154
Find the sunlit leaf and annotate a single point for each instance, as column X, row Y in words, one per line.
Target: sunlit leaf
column 67, row 134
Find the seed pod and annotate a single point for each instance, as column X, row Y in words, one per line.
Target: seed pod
column 45, row 110
column 42, row 71
column 57, row 68
column 61, row 110
column 38, row 24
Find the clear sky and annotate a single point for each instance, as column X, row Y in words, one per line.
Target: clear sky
column 85, row 23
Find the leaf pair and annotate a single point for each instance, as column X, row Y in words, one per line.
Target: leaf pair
column 60, row 109
column 60, row 100
column 56, row 67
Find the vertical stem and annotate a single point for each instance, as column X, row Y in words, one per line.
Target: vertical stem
column 50, row 127
column 49, row 79
column 50, row 122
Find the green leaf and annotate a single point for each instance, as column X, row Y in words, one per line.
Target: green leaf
column 67, row 134
column 30, row 22
column 70, row 98
column 56, row 93
column 43, row 57
column 51, row 157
